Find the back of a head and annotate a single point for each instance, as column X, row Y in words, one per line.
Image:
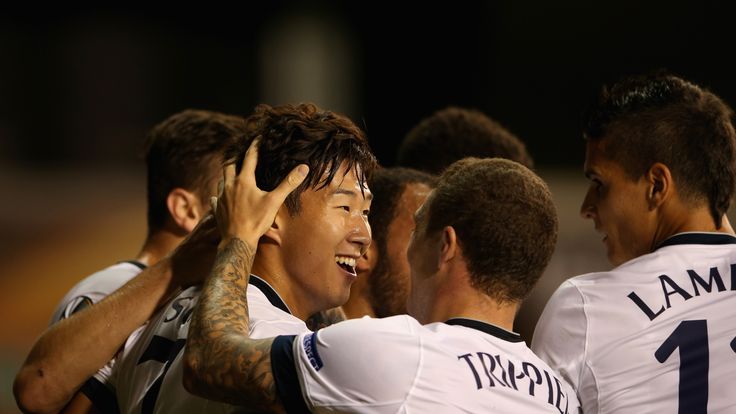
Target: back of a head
column 505, row 221
column 663, row 118
column 186, row 151
column 303, row 134
column 454, row 133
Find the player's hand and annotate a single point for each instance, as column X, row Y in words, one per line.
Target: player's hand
column 245, row 212
column 192, row 259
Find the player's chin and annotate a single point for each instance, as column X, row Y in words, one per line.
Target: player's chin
column 347, row 274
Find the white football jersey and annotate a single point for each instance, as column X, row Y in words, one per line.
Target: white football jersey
column 89, row 291
column 654, row 335
column 396, row 365
column 95, row 287
column 148, row 377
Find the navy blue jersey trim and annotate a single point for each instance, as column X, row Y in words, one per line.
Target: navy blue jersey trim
column 487, row 328
column 698, row 238
column 285, row 376
column 271, row 294
column 102, row 397
column 136, row 264
column 85, row 303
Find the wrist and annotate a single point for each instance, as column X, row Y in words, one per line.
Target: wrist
column 251, row 243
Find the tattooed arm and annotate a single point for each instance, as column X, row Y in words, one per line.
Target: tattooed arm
column 220, row 361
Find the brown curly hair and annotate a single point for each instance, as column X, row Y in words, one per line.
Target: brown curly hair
column 505, row 221
column 185, row 150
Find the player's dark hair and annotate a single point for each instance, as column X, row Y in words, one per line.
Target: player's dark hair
column 304, row 134
column 659, row 117
column 454, row 133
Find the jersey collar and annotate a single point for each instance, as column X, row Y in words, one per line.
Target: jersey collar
column 270, row 293
column 493, row 330
column 136, row 264
column 698, row 238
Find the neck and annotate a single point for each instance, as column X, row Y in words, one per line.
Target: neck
column 459, row 299
column 485, row 309
column 158, row 244
column 681, row 219
column 268, row 267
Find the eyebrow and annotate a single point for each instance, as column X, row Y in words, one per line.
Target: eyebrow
column 351, row 193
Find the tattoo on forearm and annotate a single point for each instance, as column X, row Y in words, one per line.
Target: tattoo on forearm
column 232, row 368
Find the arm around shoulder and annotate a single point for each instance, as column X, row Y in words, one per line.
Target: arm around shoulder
column 71, row 351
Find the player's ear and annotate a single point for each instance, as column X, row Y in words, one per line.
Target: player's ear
column 274, row 233
column 185, row 209
column 447, row 245
column 660, row 186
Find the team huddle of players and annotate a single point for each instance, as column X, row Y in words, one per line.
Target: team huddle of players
column 272, row 236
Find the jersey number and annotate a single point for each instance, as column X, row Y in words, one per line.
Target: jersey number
column 165, row 351
column 692, row 339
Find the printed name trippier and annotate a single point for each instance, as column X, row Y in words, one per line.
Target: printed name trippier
column 498, row 372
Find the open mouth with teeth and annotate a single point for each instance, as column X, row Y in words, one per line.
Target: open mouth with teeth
column 346, row 263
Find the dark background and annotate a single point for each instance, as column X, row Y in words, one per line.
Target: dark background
column 86, row 85
column 79, row 88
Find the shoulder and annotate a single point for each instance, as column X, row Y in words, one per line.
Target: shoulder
column 563, row 320
column 375, row 342
column 368, row 329
column 94, row 288
column 362, row 362
column 107, row 278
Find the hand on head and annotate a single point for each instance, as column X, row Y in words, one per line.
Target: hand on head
column 243, row 210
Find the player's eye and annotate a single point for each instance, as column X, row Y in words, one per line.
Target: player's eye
column 596, row 183
column 346, row 208
column 366, row 212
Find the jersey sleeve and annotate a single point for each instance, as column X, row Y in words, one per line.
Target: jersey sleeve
column 560, row 337
column 357, row 364
column 94, row 288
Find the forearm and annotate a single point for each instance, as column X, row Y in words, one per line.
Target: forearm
column 71, row 351
column 221, row 362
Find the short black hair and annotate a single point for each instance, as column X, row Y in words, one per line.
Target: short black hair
column 660, row 117
column 303, row 134
column 505, row 221
column 186, row 150
column 454, row 133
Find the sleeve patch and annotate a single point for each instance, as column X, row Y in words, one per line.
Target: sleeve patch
column 310, row 349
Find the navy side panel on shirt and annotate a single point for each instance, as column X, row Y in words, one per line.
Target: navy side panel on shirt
column 285, row 376
column 102, row 398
